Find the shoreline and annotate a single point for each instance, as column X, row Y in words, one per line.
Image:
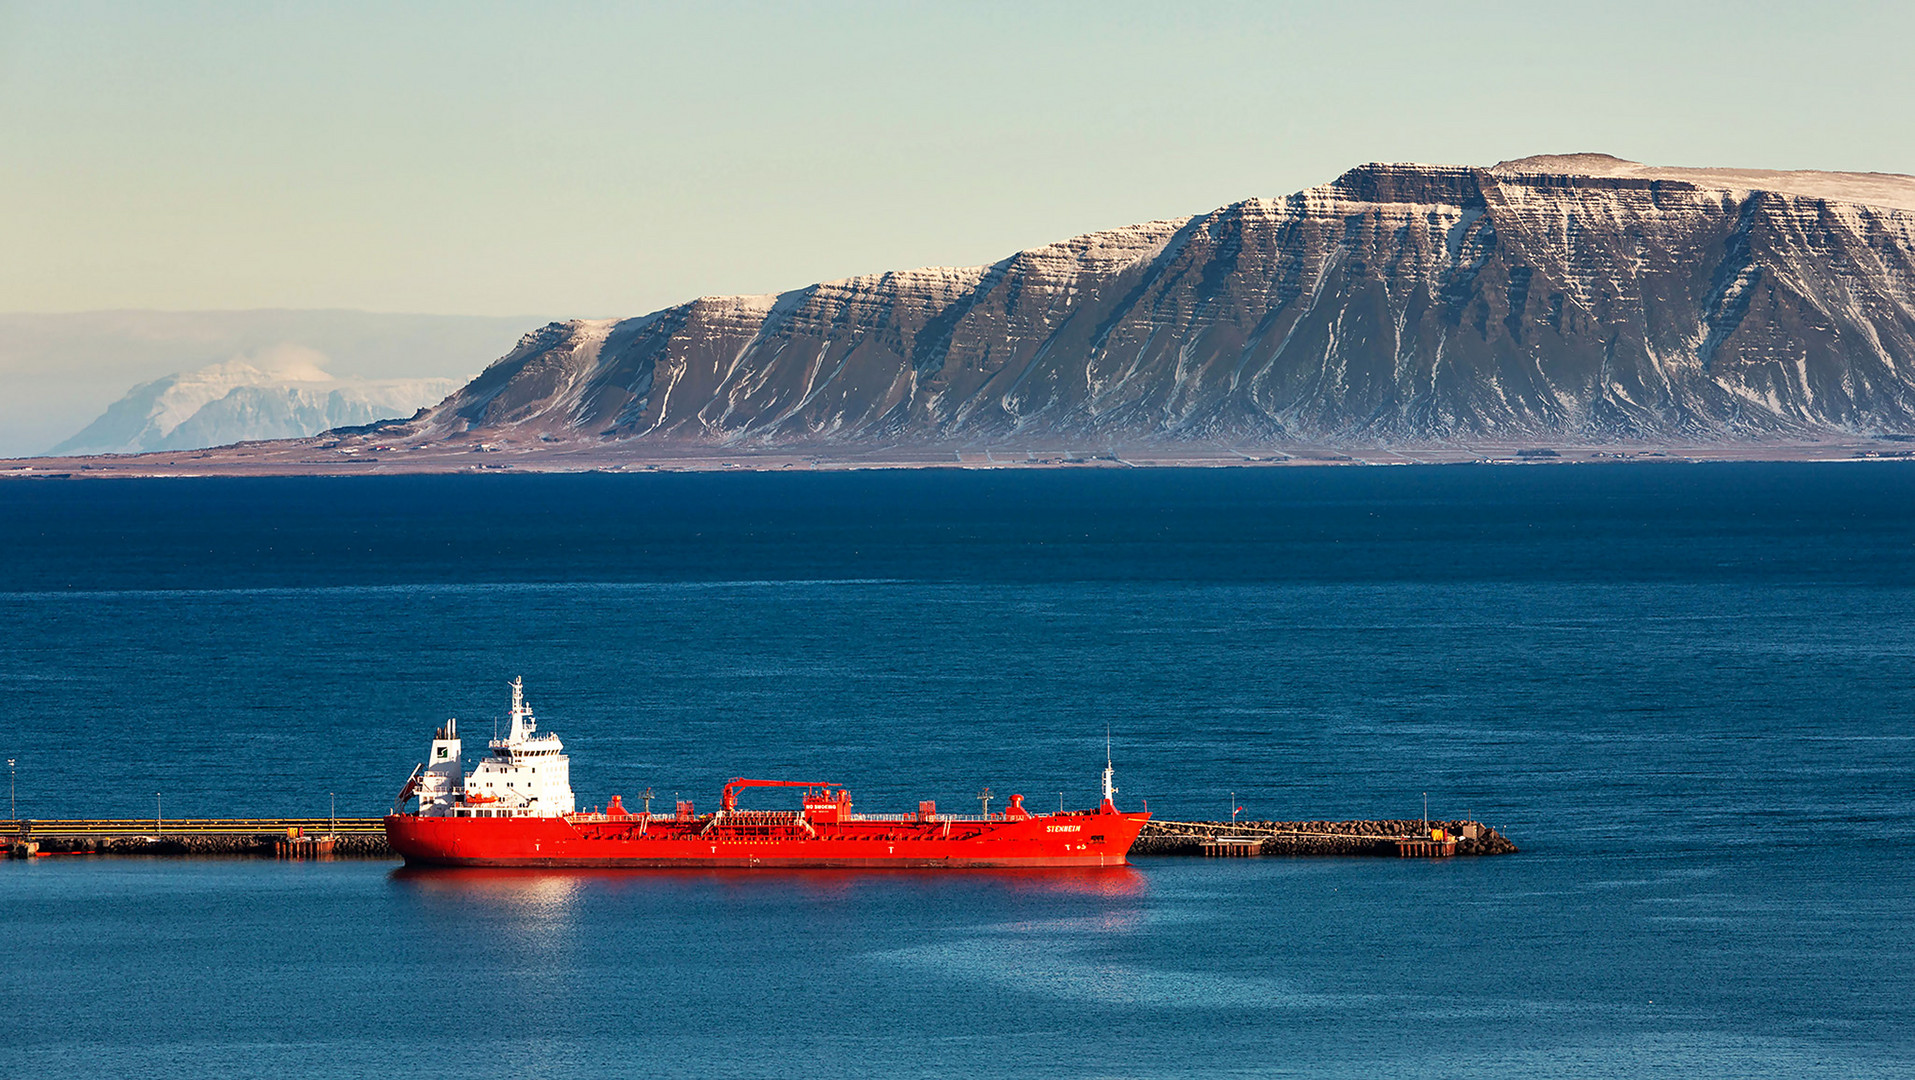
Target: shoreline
column 377, row 452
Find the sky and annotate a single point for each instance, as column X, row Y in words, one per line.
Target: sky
column 591, row 160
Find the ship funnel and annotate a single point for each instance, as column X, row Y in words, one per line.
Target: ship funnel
column 438, row 785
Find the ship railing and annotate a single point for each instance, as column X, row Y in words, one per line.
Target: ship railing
column 770, row 817
column 745, row 817
column 734, row 817
column 927, row 817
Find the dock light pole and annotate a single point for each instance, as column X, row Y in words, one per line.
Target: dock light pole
column 335, row 813
column 13, row 814
column 159, row 819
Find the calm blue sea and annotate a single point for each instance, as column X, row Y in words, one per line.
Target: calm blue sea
column 1685, row 690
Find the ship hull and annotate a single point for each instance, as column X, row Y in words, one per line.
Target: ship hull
column 587, row 840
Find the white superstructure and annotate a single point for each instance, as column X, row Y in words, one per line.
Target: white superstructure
column 438, row 783
column 526, row 774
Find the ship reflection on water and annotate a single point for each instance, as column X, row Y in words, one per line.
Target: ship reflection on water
column 541, row 887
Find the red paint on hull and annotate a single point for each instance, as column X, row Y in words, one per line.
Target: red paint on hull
column 1096, row 838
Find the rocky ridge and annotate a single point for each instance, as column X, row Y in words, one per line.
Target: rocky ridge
column 1571, row 299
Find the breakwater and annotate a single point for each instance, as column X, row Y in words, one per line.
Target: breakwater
column 362, row 838
column 1319, row 838
column 261, row 845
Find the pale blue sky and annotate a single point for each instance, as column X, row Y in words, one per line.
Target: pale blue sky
column 609, row 159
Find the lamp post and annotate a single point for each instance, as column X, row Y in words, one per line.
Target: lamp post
column 159, row 818
column 12, row 814
column 335, row 813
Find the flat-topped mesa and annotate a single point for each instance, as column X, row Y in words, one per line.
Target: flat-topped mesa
column 1546, row 299
column 1417, row 185
column 1887, row 190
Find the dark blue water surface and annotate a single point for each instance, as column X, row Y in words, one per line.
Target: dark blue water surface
column 1684, row 690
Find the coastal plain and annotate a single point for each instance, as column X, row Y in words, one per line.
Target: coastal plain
column 364, row 455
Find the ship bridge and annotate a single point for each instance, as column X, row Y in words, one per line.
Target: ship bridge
column 526, row 773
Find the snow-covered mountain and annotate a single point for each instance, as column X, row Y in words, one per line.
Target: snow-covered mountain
column 279, row 393
column 1558, row 297
column 58, row 372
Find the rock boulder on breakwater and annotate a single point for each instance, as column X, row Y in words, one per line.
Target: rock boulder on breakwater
column 1316, row 837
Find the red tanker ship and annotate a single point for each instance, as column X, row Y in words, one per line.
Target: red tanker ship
column 516, row 809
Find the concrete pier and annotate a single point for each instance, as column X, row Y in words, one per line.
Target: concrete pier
column 301, row 838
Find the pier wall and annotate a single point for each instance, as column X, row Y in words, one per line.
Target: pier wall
column 194, row 837
column 1316, row 837
column 264, row 845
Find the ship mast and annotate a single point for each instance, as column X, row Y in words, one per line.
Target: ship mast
column 1110, row 773
column 522, row 722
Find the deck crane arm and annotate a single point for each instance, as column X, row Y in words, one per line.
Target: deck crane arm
column 729, row 797
column 412, row 785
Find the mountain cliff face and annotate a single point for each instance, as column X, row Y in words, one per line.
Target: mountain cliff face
column 1576, row 297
